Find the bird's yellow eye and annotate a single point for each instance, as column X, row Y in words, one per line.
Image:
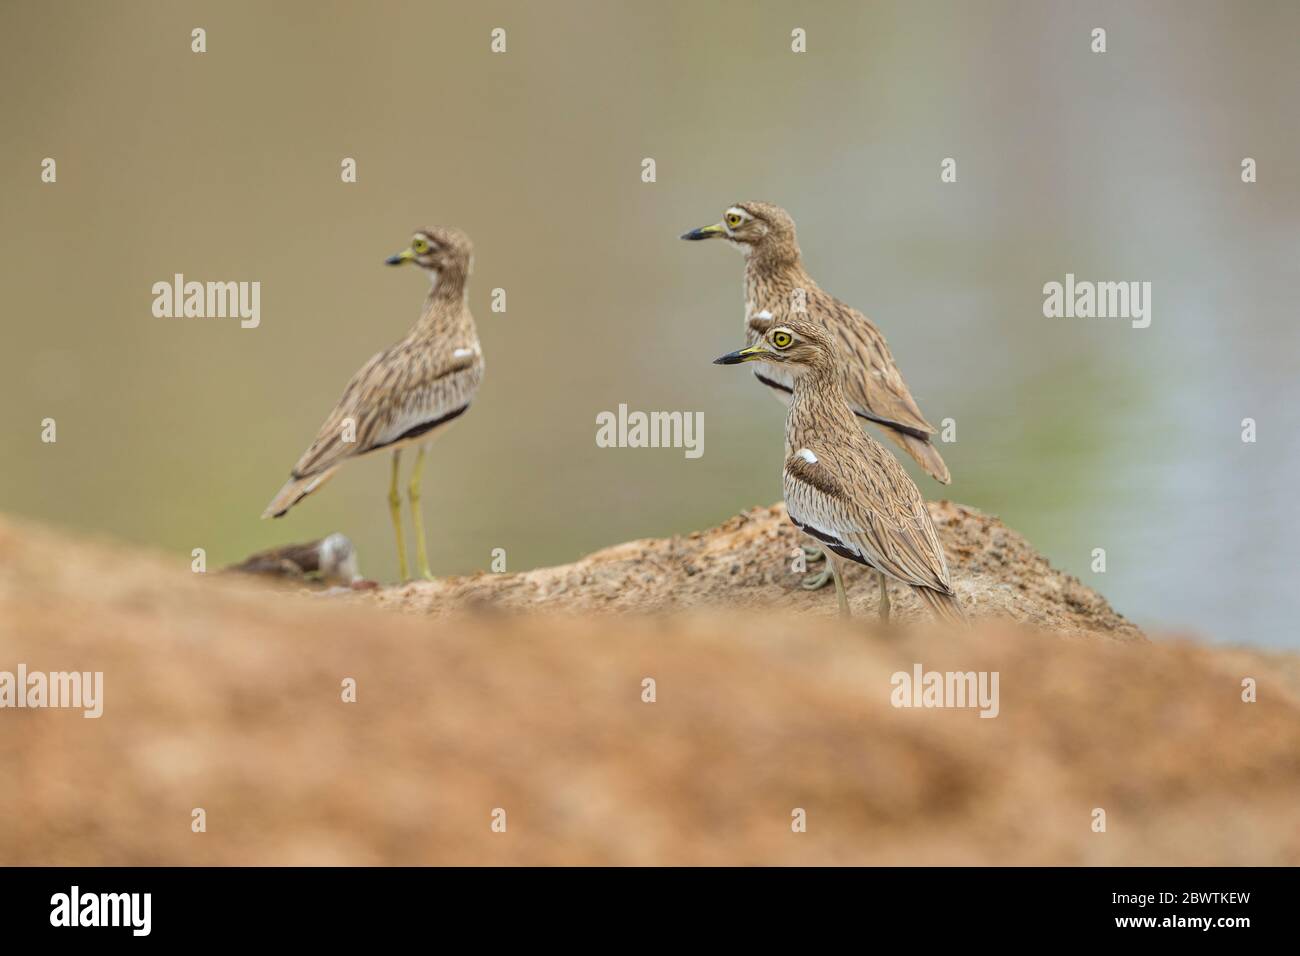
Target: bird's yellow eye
column 782, row 339
column 419, row 245
column 734, row 219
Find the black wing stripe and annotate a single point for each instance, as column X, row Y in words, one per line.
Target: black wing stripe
column 832, row 542
column 771, row 383
column 884, row 422
column 896, row 426
column 416, row 431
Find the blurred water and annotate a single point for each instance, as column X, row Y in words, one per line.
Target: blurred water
column 1081, row 433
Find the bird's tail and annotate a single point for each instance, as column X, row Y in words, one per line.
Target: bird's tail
column 925, row 454
column 946, row 607
column 294, row 490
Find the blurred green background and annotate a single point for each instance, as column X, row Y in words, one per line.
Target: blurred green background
column 1081, row 433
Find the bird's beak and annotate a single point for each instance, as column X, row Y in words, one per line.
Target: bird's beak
column 755, row 353
column 406, row 255
column 706, row 232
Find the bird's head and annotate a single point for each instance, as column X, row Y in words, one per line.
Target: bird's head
column 441, row 251
column 338, row 558
column 758, row 229
column 798, row 346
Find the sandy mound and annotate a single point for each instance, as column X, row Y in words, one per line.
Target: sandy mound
column 225, row 694
column 747, row 562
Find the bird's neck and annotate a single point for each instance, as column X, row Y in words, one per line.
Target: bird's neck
column 817, row 403
column 445, row 312
column 446, row 286
column 777, row 287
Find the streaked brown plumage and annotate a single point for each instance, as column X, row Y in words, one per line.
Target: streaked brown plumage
column 406, row 393
column 842, row 488
column 777, row 287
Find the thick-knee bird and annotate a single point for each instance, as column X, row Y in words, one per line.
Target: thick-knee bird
column 842, row 488
column 406, row 394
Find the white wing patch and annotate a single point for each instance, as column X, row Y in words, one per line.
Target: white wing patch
column 807, row 455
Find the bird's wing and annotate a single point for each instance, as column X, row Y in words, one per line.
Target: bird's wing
column 873, row 384
column 859, row 498
column 400, row 392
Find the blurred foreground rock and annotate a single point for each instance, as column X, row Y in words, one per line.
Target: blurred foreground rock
column 224, row 693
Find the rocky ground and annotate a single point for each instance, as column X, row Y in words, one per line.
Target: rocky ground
column 747, row 562
column 507, row 691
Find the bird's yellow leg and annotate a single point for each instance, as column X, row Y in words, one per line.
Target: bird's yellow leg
column 395, row 509
column 413, row 493
column 884, row 597
column 837, row 569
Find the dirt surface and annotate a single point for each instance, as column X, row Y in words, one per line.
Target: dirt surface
column 747, row 562
column 224, row 694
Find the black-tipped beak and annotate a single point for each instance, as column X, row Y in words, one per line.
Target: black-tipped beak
column 751, row 354
column 404, row 256
column 705, row 232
